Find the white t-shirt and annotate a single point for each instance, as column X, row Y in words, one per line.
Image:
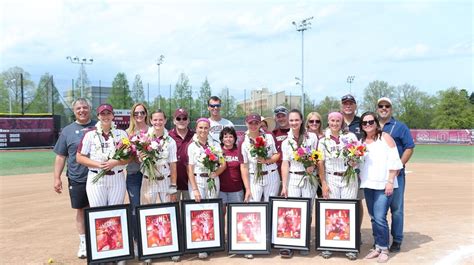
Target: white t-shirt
column 216, row 127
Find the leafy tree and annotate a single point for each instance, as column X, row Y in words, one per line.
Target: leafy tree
column 83, row 80
column 454, row 110
column 327, row 105
column 373, row 92
column 413, row 105
column 138, row 94
column 204, row 94
column 12, row 80
column 4, row 96
column 229, row 104
column 120, row 93
column 182, row 92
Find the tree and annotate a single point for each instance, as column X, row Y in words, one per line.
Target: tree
column 412, row 106
column 182, row 92
column 83, row 80
column 203, row 95
column 327, row 105
column 12, row 80
column 119, row 96
column 454, row 110
column 373, row 92
column 138, row 94
column 4, row 96
column 229, row 104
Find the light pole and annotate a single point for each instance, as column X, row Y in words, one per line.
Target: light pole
column 301, row 26
column 159, row 62
column 350, row 79
column 82, row 61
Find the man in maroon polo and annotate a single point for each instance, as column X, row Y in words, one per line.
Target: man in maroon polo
column 183, row 135
column 281, row 131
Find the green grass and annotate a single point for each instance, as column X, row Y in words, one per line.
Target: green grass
column 28, row 162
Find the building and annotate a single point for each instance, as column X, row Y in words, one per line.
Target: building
column 96, row 94
column 263, row 101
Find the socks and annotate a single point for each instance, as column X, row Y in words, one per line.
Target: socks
column 82, row 237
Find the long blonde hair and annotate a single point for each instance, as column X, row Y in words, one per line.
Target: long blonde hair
column 317, row 115
column 133, row 124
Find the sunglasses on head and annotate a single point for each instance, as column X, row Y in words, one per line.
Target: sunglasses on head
column 314, row 121
column 136, row 113
column 365, row 123
column 182, row 119
column 214, row 105
column 381, row 106
column 279, row 110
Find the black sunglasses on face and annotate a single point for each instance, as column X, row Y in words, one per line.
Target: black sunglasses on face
column 371, row 122
column 314, row 121
column 381, row 106
column 182, row 119
column 136, row 113
column 214, row 105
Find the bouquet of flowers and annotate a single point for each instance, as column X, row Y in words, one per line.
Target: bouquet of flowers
column 123, row 150
column 211, row 160
column 150, row 148
column 353, row 152
column 258, row 149
column 308, row 157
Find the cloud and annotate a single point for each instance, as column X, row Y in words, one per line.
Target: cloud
column 417, row 51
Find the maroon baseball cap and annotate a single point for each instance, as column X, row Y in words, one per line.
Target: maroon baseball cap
column 253, row 117
column 180, row 112
column 103, row 107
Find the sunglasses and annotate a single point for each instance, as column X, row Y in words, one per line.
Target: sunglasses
column 182, row 119
column 137, row 113
column 280, row 110
column 344, row 98
column 314, row 121
column 214, row 105
column 365, row 123
column 381, row 106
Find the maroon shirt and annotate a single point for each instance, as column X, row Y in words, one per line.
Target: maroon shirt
column 279, row 136
column 182, row 156
column 231, row 178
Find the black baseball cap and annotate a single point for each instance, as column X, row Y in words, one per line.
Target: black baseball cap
column 348, row 97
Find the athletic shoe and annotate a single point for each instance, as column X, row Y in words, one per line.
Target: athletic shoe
column 176, row 258
column 202, row 255
column 81, row 252
column 395, row 247
column 248, row 256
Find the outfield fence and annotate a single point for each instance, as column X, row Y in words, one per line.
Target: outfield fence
column 442, row 136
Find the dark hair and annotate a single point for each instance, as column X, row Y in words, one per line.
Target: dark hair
column 302, row 125
column 228, row 130
column 215, row 98
column 378, row 129
column 158, row 111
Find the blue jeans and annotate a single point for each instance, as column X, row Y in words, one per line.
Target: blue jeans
column 227, row 197
column 396, row 208
column 377, row 205
column 134, row 184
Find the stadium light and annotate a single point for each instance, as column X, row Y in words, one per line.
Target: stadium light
column 82, row 61
column 350, row 79
column 159, row 61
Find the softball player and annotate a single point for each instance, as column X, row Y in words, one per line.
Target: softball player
column 163, row 189
column 95, row 151
column 269, row 184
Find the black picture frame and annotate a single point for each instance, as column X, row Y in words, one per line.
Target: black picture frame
column 203, row 225
column 108, row 233
column 291, row 222
column 159, row 231
column 337, row 225
column 248, row 228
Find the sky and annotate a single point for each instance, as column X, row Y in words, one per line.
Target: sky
column 244, row 45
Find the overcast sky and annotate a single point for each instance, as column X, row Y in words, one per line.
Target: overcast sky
column 244, row 45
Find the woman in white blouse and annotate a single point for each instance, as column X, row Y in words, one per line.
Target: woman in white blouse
column 378, row 178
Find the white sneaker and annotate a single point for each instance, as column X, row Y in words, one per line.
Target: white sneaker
column 202, row 255
column 135, row 249
column 81, row 252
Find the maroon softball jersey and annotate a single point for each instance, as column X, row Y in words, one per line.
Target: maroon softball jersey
column 231, row 178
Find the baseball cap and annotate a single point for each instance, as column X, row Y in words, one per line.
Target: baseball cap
column 280, row 109
column 180, row 112
column 104, row 107
column 384, row 99
column 253, row 117
column 348, row 97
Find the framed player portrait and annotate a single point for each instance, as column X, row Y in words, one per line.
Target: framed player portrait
column 248, row 228
column 108, row 233
column 337, row 225
column 291, row 221
column 203, row 225
column 159, row 233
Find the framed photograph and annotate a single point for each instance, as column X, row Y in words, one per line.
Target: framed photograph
column 159, row 233
column 291, row 221
column 108, row 233
column 203, row 224
column 248, row 228
column 337, row 225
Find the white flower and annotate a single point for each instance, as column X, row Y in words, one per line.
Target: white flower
column 134, row 138
column 154, row 145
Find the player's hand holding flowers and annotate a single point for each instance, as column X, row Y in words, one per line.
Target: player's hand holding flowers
column 309, row 158
column 353, row 153
column 211, row 159
column 123, row 151
column 148, row 149
column 258, row 149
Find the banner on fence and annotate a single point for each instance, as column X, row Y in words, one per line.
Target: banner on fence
column 442, row 136
column 26, row 131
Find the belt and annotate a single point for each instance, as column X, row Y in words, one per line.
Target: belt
column 204, row 175
column 265, row 172
column 159, row 177
column 297, row 172
column 110, row 172
column 340, row 174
